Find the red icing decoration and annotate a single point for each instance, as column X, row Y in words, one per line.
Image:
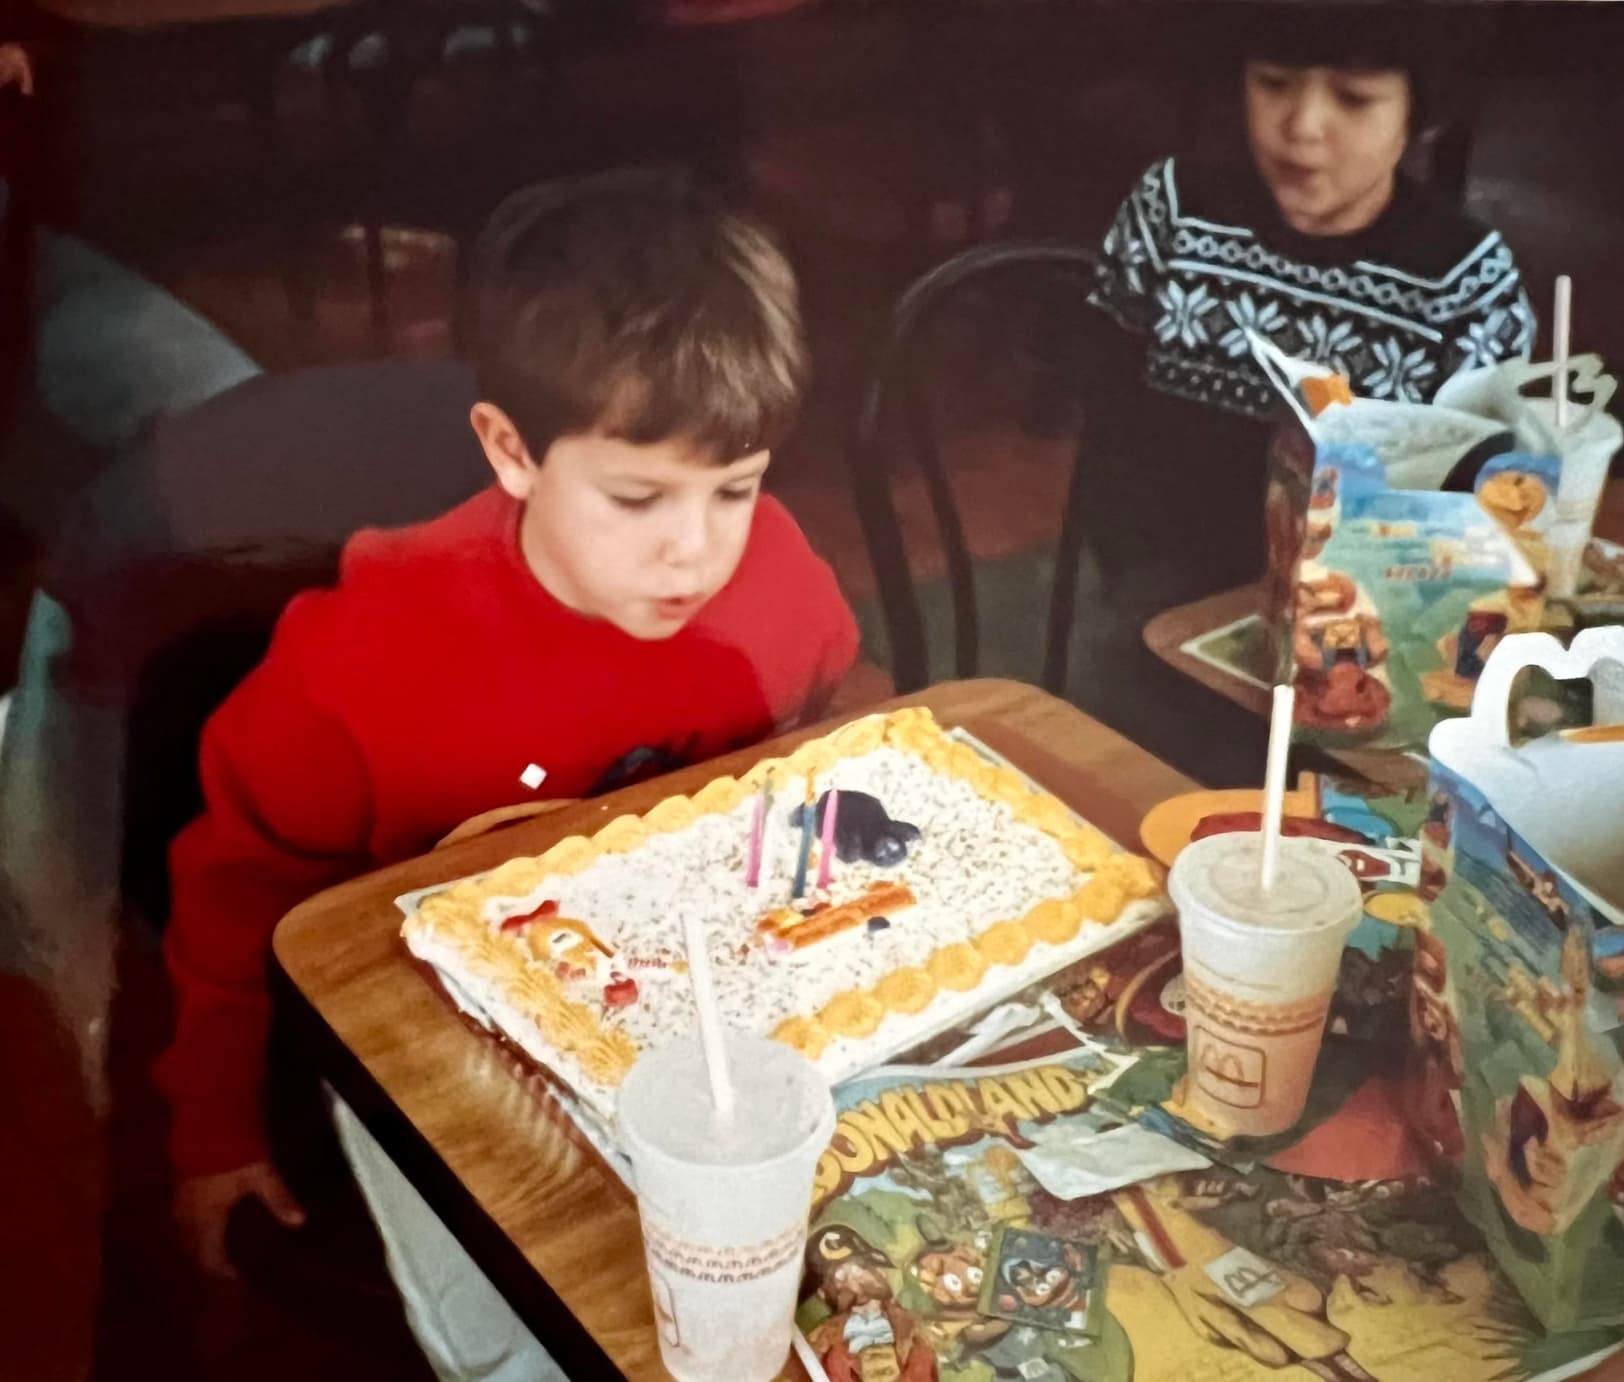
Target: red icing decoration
column 620, row 991
column 547, row 909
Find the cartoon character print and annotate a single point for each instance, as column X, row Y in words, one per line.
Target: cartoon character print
column 950, row 1275
column 1038, row 1287
column 1437, row 847
column 1541, row 885
column 1251, row 1266
column 1226, row 1293
column 874, row 1342
column 1331, row 1231
column 847, row 1268
column 869, row 1337
column 1557, row 1140
column 1338, row 643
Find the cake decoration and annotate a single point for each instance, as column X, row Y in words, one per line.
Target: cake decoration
column 797, row 928
column 569, row 946
column 957, row 883
column 864, row 829
column 517, row 921
column 620, row 991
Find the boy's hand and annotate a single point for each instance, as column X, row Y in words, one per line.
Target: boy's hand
column 15, row 68
column 203, row 1206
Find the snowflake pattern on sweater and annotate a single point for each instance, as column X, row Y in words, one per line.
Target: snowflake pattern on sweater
column 1194, row 287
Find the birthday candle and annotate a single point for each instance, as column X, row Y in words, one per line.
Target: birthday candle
column 766, row 815
column 807, row 817
column 758, row 822
column 826, row 845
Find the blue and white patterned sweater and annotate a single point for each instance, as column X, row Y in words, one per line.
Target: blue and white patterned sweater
column 1398, row 308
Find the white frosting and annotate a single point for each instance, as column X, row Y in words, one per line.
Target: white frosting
column 482, row 999
column 975, row 864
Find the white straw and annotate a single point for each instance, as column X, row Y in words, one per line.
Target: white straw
column 1561, row 328
column 710, row 1020
column 1274, row 782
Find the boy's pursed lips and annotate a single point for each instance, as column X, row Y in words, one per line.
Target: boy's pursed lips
column 677, row 605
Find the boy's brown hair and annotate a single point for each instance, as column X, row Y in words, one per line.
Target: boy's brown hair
column 634, row 304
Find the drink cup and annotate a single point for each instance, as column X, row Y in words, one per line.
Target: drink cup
column 1586, row 447
column 725, row 1202
column 1259, row 972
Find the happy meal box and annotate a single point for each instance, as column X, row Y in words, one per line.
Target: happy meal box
column 1546, row 492
column 1517, row 1014
column 1405, row 541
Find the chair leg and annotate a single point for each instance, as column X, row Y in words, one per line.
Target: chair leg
column 960, row 569
column 259, row 83
column 385, row 96
column 882, row 533
column 386, row 109
column 1063, row 597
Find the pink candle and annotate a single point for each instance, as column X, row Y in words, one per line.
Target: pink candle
column 758, row 823
column 826, row 844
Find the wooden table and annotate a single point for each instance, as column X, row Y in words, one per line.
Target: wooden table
column 550, row 1224
column 1167, row 633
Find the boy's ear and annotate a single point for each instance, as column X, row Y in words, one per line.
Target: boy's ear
column 504, row 448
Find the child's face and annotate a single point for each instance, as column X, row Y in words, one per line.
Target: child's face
column 1327, row 141
column 639, row 536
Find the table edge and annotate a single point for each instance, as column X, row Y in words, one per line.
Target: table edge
column 524, row 1288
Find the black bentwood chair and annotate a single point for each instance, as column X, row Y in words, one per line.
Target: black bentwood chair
column 994, row 335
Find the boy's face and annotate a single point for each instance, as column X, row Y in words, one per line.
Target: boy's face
column 1327, row 141
column 640, row 536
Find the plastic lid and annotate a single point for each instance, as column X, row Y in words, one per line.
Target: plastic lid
column 1313, row 889
column 781, row 1099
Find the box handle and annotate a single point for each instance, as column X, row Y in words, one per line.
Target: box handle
column 1591, row 650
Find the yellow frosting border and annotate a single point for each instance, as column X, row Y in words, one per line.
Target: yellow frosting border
column 1117, row 878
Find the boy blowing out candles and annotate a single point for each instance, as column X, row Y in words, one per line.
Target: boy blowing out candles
column 621, row 600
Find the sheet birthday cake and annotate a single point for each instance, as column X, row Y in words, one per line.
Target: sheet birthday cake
column 876, row 886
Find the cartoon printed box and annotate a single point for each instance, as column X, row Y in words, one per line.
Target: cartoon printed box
column 1405, row 541
column 1517, row 1013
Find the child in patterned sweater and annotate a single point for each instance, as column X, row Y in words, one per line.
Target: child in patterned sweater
column 1317, row 241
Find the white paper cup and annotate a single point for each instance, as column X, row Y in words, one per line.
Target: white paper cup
column 1259, row 972
column 724, row 1205
column 1586, row 452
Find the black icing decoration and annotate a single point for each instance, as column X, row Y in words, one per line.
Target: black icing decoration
column 863, row 829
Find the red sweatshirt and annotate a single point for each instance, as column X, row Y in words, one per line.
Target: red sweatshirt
column 418, row 693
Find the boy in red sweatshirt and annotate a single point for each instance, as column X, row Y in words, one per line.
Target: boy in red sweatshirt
column 621, row 601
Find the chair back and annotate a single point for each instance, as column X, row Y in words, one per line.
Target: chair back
column 175, row 565
column 989, row 343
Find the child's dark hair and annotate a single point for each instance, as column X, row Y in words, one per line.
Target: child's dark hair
column 636, row 305
column 1436, row 46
